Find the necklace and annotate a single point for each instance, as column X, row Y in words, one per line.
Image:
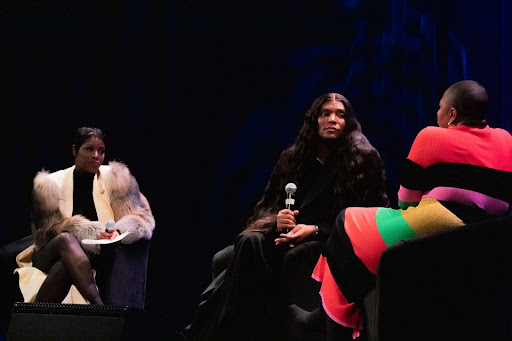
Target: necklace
column 319, row 160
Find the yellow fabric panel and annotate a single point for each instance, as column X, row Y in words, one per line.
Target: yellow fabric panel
column 430, row 217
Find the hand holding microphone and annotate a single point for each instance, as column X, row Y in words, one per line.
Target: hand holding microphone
column 110, row 230
column 286, row 218
column 110, row 226
column 290, row 190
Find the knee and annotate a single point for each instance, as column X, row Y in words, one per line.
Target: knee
column 223, row 257
column 249, row 243
column 303, row 256
column 66, row 240
column 294, row 255
column 251, row 238
column 305, row 252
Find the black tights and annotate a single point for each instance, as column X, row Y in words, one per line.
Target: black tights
column 63, row 259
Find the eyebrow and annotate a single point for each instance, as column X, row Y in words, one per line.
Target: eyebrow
column 337, row 110
column 91, row 145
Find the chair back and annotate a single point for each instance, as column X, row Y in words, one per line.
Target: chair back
column 453, row 286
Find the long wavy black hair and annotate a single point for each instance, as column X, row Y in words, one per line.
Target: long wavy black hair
column 359, row 171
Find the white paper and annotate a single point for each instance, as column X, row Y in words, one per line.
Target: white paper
column 104, row 241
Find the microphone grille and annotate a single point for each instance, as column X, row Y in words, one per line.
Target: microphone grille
column 110, row 225
column 290, row 188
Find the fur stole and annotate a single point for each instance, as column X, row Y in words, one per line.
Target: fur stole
column 131, row 210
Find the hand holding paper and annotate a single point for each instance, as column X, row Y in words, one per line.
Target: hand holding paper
column 104, row 241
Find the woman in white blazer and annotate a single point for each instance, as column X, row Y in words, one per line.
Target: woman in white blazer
column 74, row 204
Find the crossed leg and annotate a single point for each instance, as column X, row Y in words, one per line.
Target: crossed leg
column 66, row 263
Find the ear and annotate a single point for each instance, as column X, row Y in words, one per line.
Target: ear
column 453, row 114
column 73, row 150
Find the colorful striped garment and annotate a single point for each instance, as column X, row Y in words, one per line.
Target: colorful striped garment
column 452, row 177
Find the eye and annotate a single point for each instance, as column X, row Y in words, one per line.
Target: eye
column 341, row 114
column 324, row 114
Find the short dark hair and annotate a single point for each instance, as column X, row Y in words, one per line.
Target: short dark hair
column 84, row 133
column 469, row 98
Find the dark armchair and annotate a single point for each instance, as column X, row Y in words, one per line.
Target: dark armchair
column 452, row 286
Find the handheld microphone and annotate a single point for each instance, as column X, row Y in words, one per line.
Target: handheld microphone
column 290, row 190
column 110, row 225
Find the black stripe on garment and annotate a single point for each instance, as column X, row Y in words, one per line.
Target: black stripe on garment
column 349, row 272
column 491, row 182
column 468, row 214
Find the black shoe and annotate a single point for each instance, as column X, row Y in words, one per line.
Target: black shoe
column 304, row 325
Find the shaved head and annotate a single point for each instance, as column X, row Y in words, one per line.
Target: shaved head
column 469, row 98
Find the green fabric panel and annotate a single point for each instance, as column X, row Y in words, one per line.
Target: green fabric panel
column 405, row 204
column 392, row 226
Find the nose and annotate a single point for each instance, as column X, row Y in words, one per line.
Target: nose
column 96, row 154
column 332, row 117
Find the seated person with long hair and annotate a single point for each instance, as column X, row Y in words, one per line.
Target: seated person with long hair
column 333, row 166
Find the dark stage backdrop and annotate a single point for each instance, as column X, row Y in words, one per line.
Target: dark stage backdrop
column 200, row 97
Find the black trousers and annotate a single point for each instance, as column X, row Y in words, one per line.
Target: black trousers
column 253, row 283
column 261, row 280
column 251, row 292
